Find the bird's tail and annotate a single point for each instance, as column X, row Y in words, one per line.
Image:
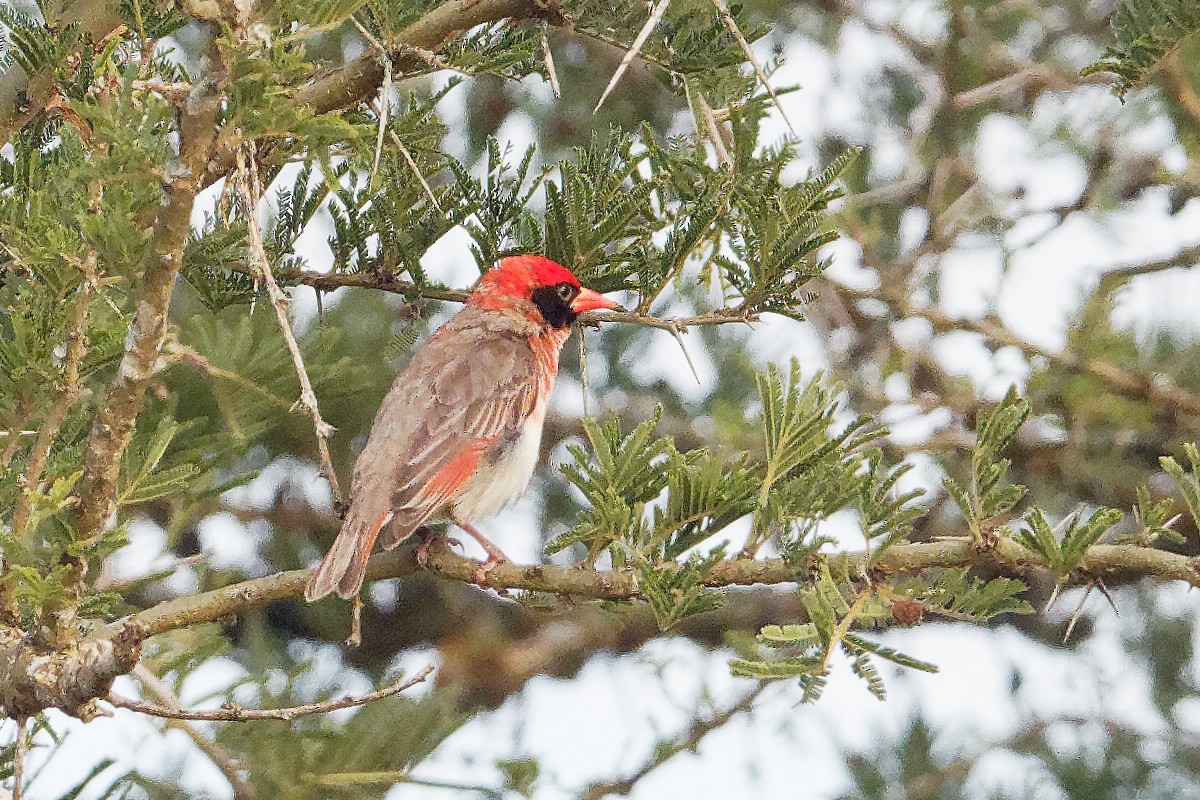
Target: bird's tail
column 345, row 565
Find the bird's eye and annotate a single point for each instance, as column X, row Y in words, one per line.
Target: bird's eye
column 566, row 291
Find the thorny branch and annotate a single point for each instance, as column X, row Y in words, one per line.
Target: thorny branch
column 232, row 712
column 251, row 192
column 328, row 281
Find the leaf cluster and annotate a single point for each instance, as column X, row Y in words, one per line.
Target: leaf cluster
column 1146, row 32
column 651, row 505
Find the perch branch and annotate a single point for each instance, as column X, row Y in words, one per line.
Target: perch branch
column 1101, row 560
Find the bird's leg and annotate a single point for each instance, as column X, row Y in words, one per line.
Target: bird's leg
column 495, row 556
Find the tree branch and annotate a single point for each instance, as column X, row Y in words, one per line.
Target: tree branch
column 23, row 95
column 386, row 282
column 251, row 193
column 579, row 581
column 232, row 712
column 359, row 80
column 117, row 415
column 1156, row 390
column 221, row 757
column 69, row 391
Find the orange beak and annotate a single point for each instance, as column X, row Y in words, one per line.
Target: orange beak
column 587, row 300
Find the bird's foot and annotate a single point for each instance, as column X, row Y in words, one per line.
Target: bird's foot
column 485, row 568
column 430, row 540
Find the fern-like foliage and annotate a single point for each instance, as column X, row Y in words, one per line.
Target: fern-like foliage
column 988, row 495
column 1146, row 32
column 803, row 651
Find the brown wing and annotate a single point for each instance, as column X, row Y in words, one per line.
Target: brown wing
column 470, row 386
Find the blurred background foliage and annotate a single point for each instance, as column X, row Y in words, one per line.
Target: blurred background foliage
column 978, row 142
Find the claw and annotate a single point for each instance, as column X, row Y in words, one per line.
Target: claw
column 429, row 540
column 484, row 569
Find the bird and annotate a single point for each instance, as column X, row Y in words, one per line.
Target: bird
column 458, row 435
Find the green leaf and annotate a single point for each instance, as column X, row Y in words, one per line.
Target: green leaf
column 1187, row 481
column 617, row 477
column 1146, row 32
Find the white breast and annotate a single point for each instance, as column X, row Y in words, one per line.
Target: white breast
column 498, row 483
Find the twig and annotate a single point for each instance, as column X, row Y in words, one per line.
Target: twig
column 577, row 581
column 1158, row 390
column 189, row 355
column 69, row 391
column 665, row 751
column 1116, row 277
column 412, row 165
column 221, row 757
column 172, row 90
column 715, row 133
column 251, row 191
column 656, row 14
column 232, row 712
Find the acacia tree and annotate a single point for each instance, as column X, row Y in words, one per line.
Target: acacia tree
column 166, row 162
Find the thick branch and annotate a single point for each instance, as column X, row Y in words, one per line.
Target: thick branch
column 582, row 582
column 32, row 680
column 360, row 79
column 117, row 415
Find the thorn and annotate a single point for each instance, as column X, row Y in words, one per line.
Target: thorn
column 1104, row 591
column 1053, row 597
column 385, row 103
column 686, row 357
column 1075, row 615
column 731, row 24
column 656, row 14
column 714, row 132
column 548, row 59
